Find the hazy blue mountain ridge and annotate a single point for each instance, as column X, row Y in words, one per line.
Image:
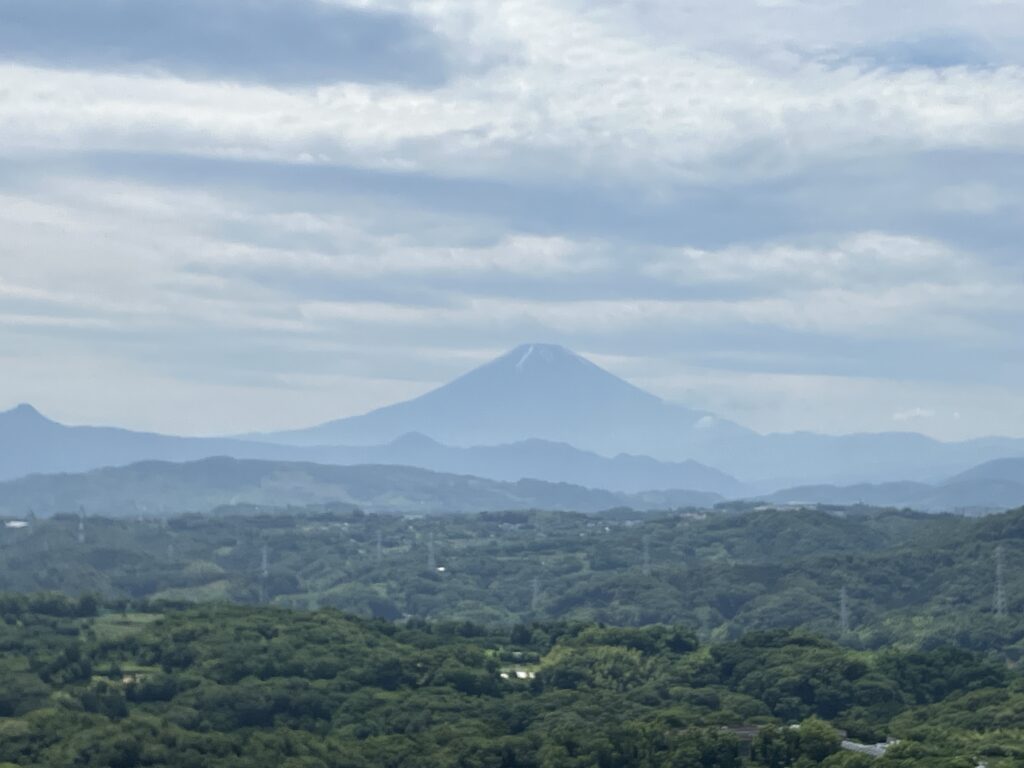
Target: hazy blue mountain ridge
column 32, row 444
column 539, row 411
column 536, row 391
column 158, row 487
column 995, row 485
column 560, row 462
column 548, row 392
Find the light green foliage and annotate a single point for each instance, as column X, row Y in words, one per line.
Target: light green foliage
column 228, row 686
column 912, row 580
column 126, row 678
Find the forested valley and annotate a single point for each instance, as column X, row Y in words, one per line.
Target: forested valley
column 327, row 637
column 870, row 577
column 249, row 686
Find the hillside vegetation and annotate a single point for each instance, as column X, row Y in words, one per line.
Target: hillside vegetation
column 152, row 488
column 246, row 687
column 909, row 579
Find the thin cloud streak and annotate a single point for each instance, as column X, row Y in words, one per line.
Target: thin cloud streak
column 778, row 209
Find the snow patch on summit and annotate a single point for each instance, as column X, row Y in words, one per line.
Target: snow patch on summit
column 524, row 358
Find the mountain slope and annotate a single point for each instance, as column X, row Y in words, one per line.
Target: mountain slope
column 532, row 408
column 157, row 487
column 537, row 391
column 32, row 444
column 906, row 494
column 546, row 392
column 1006, row 470
column 995, row 485
column 554, row 462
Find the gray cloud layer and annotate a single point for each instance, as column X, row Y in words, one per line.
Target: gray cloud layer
column 801, row 215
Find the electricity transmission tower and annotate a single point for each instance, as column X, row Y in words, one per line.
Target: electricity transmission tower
column 431, row 558
column 380, row 546
column 844, row 611
column 647, row 556
column 999, row 602
column 81, row 526
column 264, row 573
column 535, row 600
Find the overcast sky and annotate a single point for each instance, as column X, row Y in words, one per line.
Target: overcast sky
column 226, row 215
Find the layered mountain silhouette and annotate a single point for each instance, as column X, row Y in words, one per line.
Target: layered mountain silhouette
column 158, row 487
column 548, row 392
column 540, row 411
column 536, row 391
column 32, row 444
column 995, row 485
column 552, row 462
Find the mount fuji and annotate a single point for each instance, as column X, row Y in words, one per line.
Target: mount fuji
column 30, row 444
column 539, row 411
column 547, row 392
column 535, row 391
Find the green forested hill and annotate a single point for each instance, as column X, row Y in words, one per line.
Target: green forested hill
column 909, row 579
column 154, row 488
column 253, row 687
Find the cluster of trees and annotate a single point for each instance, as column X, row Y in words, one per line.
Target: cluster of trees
column 247, row 686
column 909, row 578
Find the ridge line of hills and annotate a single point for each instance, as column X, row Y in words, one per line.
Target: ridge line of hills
column 994, row 485
column 548, row 392
column 32, row 444
column 543, row 412
column 160, row 487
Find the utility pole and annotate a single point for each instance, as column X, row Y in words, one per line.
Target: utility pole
column 844, row 611
column 1000, row 596
column 264, row 573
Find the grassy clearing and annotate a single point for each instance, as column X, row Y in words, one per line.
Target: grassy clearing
column 215, row 591
column 117, row 626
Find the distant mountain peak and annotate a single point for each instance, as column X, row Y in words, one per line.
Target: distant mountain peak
column 539, row 353
column 24, row 413
column 535, row 390
column 547, row 362
column 536, row 357
column 414, row 440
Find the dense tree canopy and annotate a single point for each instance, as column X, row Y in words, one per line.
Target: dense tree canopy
column 236, row 686
column 910, row 579
column 323, row 638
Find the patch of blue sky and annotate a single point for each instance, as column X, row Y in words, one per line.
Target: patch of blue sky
column 279, row 42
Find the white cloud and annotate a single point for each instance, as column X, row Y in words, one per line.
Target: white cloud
column 580, row 91
column 355, row 253
column 976, row 198
column 906, row 313
column 106, row 251
column 573, row 95
column 914, row 414
column 865, row 259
